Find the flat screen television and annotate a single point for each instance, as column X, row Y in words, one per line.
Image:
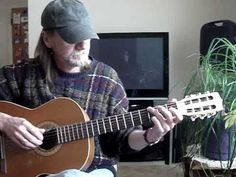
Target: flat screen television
column 141, row 60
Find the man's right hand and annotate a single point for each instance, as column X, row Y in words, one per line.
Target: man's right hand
column 21, row 131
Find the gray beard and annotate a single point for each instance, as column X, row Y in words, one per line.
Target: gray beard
column 76, row 63
column 82, row 63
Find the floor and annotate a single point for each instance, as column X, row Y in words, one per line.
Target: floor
column 149, row 169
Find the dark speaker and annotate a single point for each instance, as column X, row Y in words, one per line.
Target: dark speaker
column 216, row 29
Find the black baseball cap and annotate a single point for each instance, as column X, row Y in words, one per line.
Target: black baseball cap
column 70, row 19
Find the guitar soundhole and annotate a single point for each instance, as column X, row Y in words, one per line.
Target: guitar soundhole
column 50, row 139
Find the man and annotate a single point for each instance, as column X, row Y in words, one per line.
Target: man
column 62, row 67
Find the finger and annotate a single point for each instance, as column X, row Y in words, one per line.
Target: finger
column 157, row 126
column 169, row 118
column 159, row 116
column 23, row 142
column 156, row 132
column 178, row 117
column 172, row 103
column 26, row 144
column 42, row 130
column 32, row 141
column 34, row 132
column 18, row 142
column 164, row 116
column 176, row 114
column 151, row 110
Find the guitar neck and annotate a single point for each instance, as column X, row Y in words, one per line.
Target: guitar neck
column 195, row 106
column 96, row 127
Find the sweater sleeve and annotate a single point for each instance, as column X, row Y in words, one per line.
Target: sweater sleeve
column 10, row 79
column 116, row 143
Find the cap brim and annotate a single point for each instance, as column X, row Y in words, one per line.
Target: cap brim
column 77, row 33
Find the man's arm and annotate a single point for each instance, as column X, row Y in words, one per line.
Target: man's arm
column 163, row 119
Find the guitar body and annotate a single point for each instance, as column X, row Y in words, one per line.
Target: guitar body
column 31, row 163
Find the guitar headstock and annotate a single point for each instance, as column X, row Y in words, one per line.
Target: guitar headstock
column 201, row 105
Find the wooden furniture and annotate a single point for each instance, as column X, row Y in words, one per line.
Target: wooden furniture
column 19, row 33
column 203, row 167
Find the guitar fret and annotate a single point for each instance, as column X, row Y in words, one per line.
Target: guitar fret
column 61, row 135
column 73, row 133
column 117, row 123
column 86, row 126
column 128, row 120
column 64, row 128
column 109, row 118
column 120, row 122
column 98, row 127
column 92, row 128
column 131, row 115
column 77, row 131
column 140, row 118
column 113, row 123
column 60, row 132
column 58, row 137
column 68, row 132
column 149, row 117
column 82, row 131
column 124, row 120
column 104, row 126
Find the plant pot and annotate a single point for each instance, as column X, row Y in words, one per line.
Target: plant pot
column 220, row 144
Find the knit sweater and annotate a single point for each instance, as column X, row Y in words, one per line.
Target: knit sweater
column 98, row 91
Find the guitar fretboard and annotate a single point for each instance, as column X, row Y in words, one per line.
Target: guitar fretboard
column 96, row 127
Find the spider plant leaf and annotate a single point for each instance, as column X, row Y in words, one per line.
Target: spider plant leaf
column 230, row 119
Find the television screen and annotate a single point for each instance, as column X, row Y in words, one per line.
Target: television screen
column 141, row 60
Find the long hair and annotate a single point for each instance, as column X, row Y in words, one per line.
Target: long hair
column 44, row 55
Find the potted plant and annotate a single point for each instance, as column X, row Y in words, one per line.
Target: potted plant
column 215, row 135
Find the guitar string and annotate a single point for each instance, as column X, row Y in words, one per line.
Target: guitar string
column 68, row 132
column 101, row 123
column 71, row 127
column 51, row 137
column 89, row 126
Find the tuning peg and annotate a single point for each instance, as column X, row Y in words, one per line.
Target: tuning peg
column 203, row 116
column 209, row 115
column 187, row 96
column 193, row 118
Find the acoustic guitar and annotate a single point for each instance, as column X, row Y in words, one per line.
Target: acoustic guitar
column 66, row 122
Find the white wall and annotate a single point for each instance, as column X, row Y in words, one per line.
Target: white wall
column 181, row 18
column 5, row 28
